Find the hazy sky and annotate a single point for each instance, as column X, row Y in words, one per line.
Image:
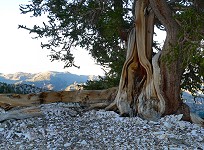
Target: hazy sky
column 18, row 52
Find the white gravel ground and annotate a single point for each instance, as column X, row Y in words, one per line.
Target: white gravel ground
column 66, row 126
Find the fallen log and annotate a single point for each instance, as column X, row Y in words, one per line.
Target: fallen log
column 21, row 106
column 87, row 97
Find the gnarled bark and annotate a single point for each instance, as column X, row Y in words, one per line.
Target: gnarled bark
column 149, row 86
column 170, row 73
column 139, row 90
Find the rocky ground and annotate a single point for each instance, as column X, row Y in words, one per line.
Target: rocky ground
column 68, row 126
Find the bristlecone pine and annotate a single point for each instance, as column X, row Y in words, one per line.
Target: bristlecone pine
column 149, row 86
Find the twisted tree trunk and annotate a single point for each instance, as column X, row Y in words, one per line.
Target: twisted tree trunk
column 139, row 91
column 149, row 85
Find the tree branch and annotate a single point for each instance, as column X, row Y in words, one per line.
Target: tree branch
column 164, row 14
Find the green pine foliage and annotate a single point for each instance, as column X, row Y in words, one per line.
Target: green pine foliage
column 190, row 47
column 102, row 27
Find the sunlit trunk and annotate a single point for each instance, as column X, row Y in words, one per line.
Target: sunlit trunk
column 150, row 85
column 139, row 89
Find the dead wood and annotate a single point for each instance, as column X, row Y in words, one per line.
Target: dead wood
column 92, row 99
column 8, row 101
column 21, row 113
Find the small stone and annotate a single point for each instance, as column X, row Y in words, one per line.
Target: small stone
column 167, row 125
column 10, row 134
column 67, row 144
column 83, row 142
column 18, row 134
column 200, row 139
column 2, row 111
column 182, row 124
column 1, row 129
column 158, row 133
column 179, row 117
column 27, row 136
column 153, row 122
column 193, row 132
column 163, row 136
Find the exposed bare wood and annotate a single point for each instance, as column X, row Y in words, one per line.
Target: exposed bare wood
column 8, row 101
column 21, row 113
column 148, row 86
column 157, row 81
column 137, row 92
column 124, row 96
column 93, row 99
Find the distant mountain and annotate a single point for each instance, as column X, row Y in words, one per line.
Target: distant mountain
column 50, row 80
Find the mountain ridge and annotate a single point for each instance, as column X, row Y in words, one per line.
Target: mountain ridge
column 50, row 80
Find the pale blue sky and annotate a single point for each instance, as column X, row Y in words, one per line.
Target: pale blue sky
column 18, row 52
